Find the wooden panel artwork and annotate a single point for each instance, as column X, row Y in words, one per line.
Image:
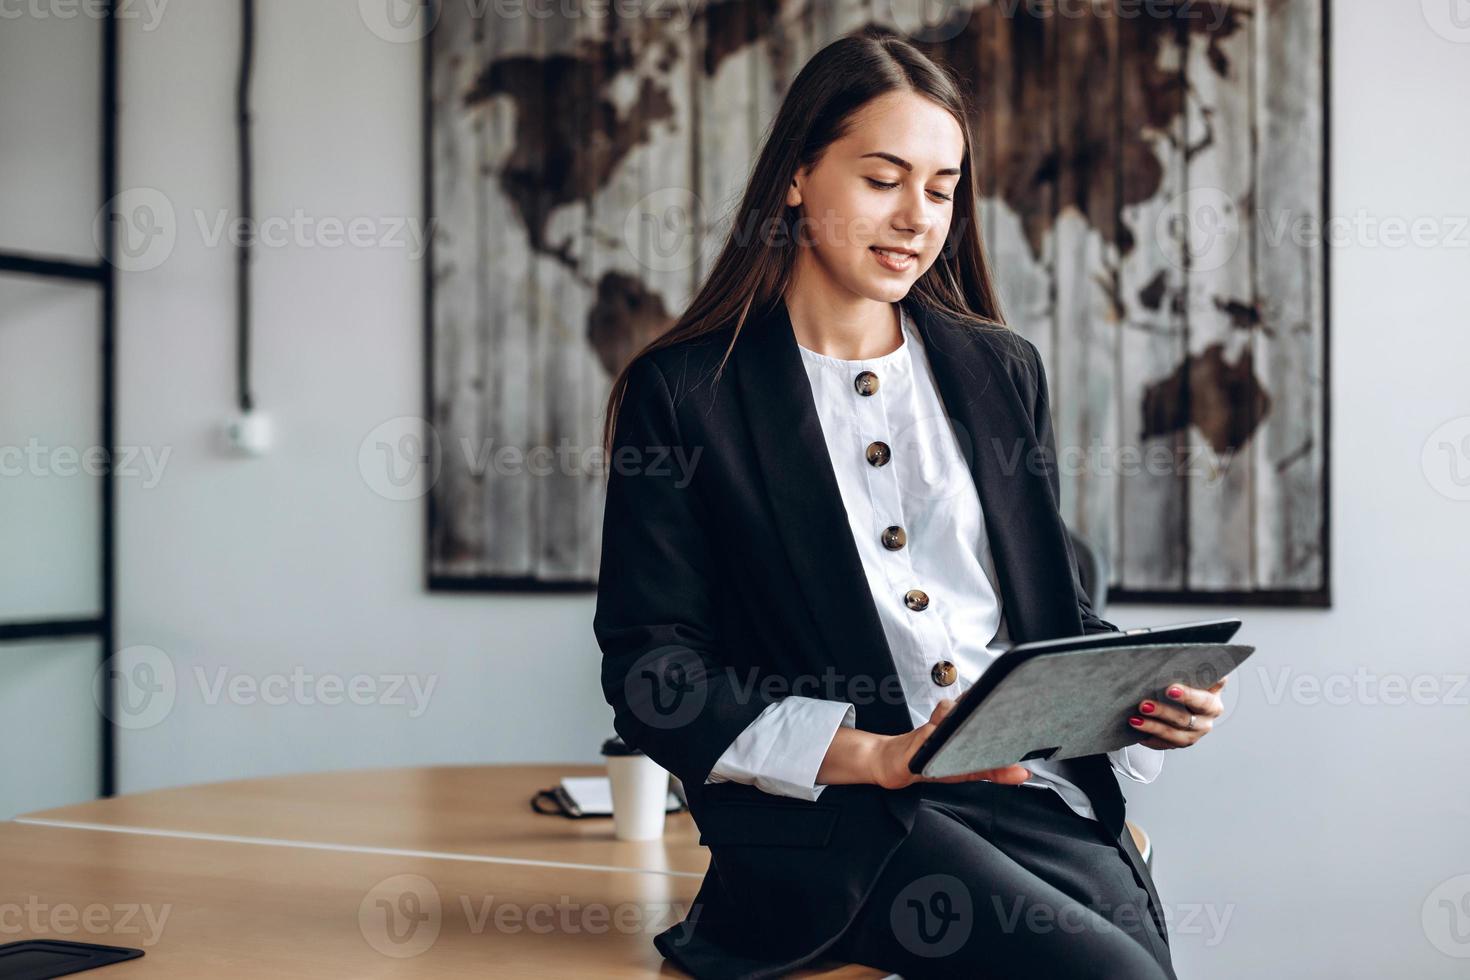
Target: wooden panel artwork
column 1146, row 172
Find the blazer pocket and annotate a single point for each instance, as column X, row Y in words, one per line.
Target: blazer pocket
column 739, row 823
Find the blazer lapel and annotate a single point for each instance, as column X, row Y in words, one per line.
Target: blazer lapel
column 1027, row 536
column 791, row 452
column 995, row 432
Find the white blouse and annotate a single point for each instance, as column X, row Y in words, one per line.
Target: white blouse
column 916, row 519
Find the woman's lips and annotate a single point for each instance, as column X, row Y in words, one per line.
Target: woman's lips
column 892, row 260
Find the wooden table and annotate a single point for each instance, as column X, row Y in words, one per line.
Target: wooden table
column 441, row 871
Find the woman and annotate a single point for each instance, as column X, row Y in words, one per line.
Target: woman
column 832, row 496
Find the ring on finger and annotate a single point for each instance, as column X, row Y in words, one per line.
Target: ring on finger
column 1190, row 727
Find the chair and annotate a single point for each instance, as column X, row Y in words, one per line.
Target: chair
column 1092, row 569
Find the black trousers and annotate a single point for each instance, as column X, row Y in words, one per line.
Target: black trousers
column 1007, row 881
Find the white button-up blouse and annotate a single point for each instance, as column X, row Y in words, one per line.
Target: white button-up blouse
column 917, row 522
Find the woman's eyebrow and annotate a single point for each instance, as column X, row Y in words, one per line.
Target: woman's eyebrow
column 901, row 162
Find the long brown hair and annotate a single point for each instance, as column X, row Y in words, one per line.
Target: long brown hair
column 817, row 110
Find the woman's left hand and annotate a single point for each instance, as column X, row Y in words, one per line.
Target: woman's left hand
column 1182, row 718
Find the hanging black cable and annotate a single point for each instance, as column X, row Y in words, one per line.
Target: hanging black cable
column 247, row 203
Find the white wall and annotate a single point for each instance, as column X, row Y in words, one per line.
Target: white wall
column 291, row 561
column 1320, row 829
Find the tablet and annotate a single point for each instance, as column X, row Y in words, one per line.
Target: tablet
column 1070, row 697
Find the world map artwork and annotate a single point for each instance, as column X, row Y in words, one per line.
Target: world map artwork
column 1148, row 185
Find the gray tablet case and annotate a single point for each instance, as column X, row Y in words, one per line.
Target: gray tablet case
column 1070, row 703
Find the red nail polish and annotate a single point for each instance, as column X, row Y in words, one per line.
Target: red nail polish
column 1148, row 707
column 1174, row 692
column 1135, row 722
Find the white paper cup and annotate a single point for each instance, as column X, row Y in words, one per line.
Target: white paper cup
column 640, row 795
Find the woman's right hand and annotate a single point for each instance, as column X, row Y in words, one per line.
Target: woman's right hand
column 890, row 760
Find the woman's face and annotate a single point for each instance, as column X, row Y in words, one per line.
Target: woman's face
column 887, row 184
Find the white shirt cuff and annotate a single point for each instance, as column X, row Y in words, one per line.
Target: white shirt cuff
column 1138, row 762
column 782, row 750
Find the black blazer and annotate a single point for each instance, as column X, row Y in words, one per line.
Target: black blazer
column 730, row 578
